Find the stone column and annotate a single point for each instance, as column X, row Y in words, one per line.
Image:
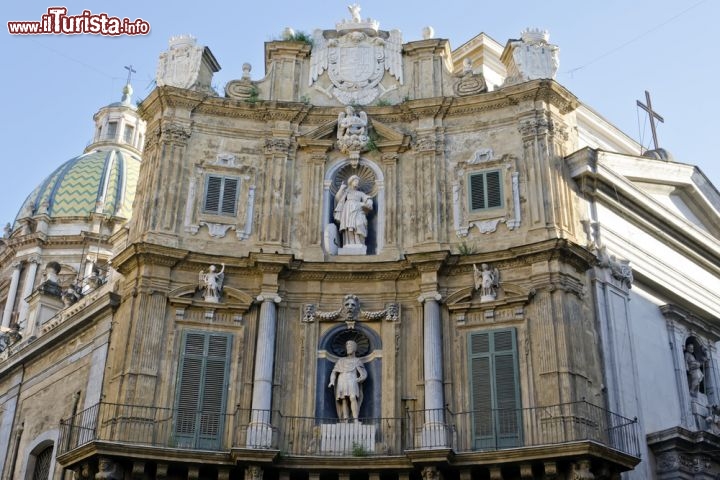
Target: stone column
column 12, row 292
column 260, row 430
column 32, row 263
column 434, row 434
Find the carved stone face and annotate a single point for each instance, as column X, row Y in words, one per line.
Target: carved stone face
column 350, row 347
column 350, row 306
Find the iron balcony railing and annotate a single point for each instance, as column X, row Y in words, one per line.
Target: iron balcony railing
column 309, row 436
column 527, row 427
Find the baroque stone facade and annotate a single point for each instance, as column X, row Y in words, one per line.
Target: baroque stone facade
column 397, row 269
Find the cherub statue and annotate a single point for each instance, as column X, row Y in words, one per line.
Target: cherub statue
column 487, row 280
column 212, row 283
column 352, row 131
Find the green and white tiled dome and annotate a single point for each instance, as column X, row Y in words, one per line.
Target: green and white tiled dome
column 100, row 181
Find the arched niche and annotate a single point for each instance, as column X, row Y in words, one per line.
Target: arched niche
column 372, row 182
column 330, row 348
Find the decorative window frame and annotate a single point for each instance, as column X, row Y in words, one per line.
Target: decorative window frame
column 226, row 166
column 486, row 220
column 40, row 443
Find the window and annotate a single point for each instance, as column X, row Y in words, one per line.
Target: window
column 111, row 130
column 221, row 195
column 129, row 133
column 201, row 392
column 485, row 190
column 495, row 389
column 43, row 459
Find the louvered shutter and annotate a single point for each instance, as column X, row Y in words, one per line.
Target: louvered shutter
column 485, row 190
column 494, row 192
column 229, row 196
column 221, row 195
column 213, row 191
column 507, row 391
column 201, row 393
column 495, row 389
column 477, row 192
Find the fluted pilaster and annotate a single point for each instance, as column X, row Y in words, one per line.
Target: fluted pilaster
column 12, row 293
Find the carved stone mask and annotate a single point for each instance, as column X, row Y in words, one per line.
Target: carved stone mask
column 350, row 307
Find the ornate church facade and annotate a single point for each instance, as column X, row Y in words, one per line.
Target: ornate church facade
column 384, row 260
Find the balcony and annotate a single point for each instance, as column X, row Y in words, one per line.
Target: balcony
column 570, row 430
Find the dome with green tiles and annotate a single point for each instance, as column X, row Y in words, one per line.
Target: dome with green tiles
column 100, row 181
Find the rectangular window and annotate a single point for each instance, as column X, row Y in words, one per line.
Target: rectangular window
column 201, row 390
column 495, row 389
column 129, row 133
column 485, row 190
column 221, row 195
column 111, row 130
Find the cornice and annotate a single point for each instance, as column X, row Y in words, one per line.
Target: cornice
column 150, row 253
column 619, row 195
column 68, row 327
column 548, row 91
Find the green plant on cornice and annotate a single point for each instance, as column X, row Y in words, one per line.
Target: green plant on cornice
column 371, row 144
column 466, row 249
column 383, row 102
column 305, row 99
column 299, row 36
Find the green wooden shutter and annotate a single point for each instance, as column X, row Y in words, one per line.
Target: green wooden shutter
column 495, row 389
column 213, row 192
column 477, row 192
column 201, row 392
column 221, row 195
column 493, row 188
column 485, row 190
column 229, row 196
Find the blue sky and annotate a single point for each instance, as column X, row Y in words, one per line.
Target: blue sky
column 610, row 53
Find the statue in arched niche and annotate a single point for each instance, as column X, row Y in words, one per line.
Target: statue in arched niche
column 694, row 364
column 347, row 377
column 353, row 208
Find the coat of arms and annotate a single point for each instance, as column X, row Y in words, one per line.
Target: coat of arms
column 356, row 56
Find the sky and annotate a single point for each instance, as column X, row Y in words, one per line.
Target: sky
column 610, row 52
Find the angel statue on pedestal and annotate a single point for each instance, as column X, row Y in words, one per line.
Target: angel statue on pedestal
column 487, row 280
column 212, row 283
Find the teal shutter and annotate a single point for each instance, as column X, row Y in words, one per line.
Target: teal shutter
column 201, row 391
column 495, row 389
column 221, row 195
column 485, row 190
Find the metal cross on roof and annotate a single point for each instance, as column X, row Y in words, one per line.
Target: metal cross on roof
column 130, row 72
column 653, row 115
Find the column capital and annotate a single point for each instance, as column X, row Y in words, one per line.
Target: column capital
column 425, row 296
column 269, row 297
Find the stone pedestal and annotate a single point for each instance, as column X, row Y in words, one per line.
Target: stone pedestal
column 353, row 249
column 347, row 439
